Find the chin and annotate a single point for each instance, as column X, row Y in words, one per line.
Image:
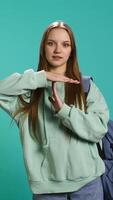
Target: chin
column 57, row 64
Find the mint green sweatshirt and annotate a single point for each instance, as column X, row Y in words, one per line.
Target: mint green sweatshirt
column 64, row 162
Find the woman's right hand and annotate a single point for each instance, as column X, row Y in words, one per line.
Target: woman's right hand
column 59, row 78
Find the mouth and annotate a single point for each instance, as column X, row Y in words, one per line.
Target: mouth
column 56, row 57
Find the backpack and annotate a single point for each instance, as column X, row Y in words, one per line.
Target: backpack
column 106, row 152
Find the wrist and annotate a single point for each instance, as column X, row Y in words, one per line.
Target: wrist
column 59, row 108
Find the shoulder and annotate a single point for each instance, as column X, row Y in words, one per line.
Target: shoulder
column 95, row 95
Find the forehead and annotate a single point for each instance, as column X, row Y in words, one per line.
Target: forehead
column 59, row 34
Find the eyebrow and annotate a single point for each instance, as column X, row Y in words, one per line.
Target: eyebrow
column 55, row 41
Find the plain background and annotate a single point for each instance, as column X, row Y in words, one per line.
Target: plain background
column 22, row 23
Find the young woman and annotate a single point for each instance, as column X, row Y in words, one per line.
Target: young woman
column 59, row 126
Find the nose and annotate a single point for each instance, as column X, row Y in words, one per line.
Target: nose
column 57, row 48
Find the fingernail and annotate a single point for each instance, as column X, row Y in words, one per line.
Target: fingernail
column 77, row 82
column 51, row 99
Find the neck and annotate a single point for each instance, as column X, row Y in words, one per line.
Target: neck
column 58, row 70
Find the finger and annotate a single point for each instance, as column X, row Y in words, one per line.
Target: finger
column 74, row 81
column 70, row 80
column 51, row 99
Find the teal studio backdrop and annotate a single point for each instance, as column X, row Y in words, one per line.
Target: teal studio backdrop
column 22, row 24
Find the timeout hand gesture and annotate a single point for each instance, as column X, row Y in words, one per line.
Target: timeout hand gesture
column 55, row 99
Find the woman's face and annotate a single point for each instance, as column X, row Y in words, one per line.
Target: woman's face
column 58, row 47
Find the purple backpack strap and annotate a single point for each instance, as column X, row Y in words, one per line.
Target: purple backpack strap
column 86, row 83
column 108, row 142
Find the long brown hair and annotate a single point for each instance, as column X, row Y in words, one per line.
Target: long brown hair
column 73, row 92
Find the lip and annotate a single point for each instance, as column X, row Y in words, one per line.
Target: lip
column 56, row 57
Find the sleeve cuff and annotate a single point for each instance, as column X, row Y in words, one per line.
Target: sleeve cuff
column 42, row 81
column 63, row 112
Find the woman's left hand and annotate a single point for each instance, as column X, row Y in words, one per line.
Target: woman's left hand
column 55, row 99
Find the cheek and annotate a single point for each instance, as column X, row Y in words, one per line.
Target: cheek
column 67, row 54
column 47, row 52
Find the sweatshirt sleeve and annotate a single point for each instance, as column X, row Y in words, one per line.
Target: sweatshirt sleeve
column 92, row 125
column 18, row 84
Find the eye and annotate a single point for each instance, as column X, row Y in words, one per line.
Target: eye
column 66, row 44
column 49, row 43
